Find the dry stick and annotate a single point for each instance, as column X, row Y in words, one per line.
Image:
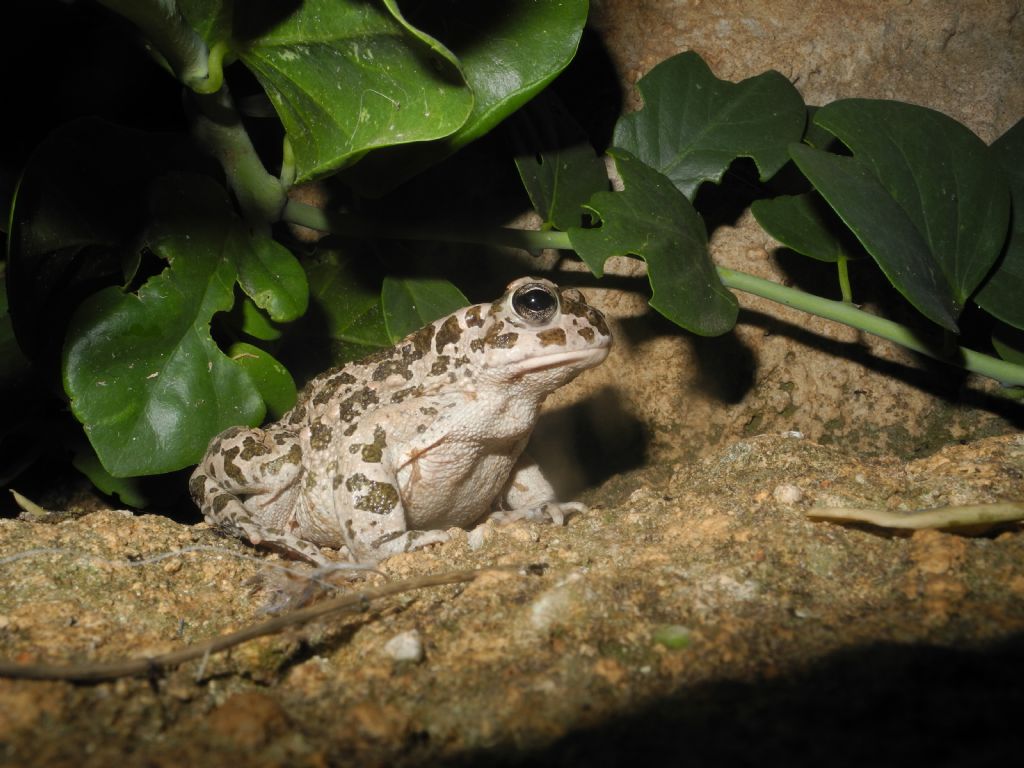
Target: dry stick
column 148, row 666
column 967, row 516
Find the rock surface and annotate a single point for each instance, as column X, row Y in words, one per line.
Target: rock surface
column 693, row 611
column 781, row 369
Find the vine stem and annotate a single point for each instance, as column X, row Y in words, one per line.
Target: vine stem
column 1008, row 374
column 1002, row 371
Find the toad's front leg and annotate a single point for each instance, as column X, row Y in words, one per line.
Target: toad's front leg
column 529, row 496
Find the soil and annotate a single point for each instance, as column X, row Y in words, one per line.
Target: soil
column 694, row 613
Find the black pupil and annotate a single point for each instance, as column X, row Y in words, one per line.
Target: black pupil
column 535, row 303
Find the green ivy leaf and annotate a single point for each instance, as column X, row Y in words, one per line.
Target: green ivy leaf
column 144, row 376
column 693, row 125
column 508, row 52
column 933, row 180
column 349, row 303
column 253, row 321
column 272, row 277
column 410, row 303
column 346, row 77
column 799, row 222
column 560, row 182
column 1003, row 290
column 276, row 386
column 211, row 19
column 433, row 44
column 525, row 46
column 128, row 489
column 651, row 219
column 816, row 136
column 883, row 229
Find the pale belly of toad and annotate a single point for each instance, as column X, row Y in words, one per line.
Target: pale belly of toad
column 454, row 484
column 384, row 454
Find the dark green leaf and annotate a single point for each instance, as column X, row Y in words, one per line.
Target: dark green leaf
column 1002, row 294
column 799, row 223
column 272, row 277
column 78, row 212
column 346, row 76
column 693, row 125
column 128, row 489
column 144, row 376
column 651, row 219
column 275, row 384
column 815, row 135
column 508, row 51
column 411, row 303
column 561, row 181
column 253, row 321
column 938, row 176
column 883, row 228
column 212, row 19
column 349, row 304
column 435, row 45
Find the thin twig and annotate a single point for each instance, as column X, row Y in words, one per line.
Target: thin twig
column 150, row 665
column 962, row 518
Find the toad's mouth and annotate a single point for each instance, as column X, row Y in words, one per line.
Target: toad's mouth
column 575, row 358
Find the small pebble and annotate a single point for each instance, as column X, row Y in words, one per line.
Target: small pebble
column 477, row 537
column 787, row 494
column 407, row 646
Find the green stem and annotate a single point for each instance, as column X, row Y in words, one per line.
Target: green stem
column 219, row 129
column 842, row 267
column 840, row 311
column 1005, row 372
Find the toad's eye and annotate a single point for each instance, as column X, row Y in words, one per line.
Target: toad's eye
column 535, row 303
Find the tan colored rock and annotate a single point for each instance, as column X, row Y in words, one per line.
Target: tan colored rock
column 780, row 369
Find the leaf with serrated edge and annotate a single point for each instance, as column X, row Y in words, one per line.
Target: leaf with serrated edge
column 410, row 303
column 651, row 219
column 693, row 125
column 939, row 175
column 144, row 376
column 347, row 77
column 1002, row 293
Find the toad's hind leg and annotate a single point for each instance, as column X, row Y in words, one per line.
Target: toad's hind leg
column 248, row 485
